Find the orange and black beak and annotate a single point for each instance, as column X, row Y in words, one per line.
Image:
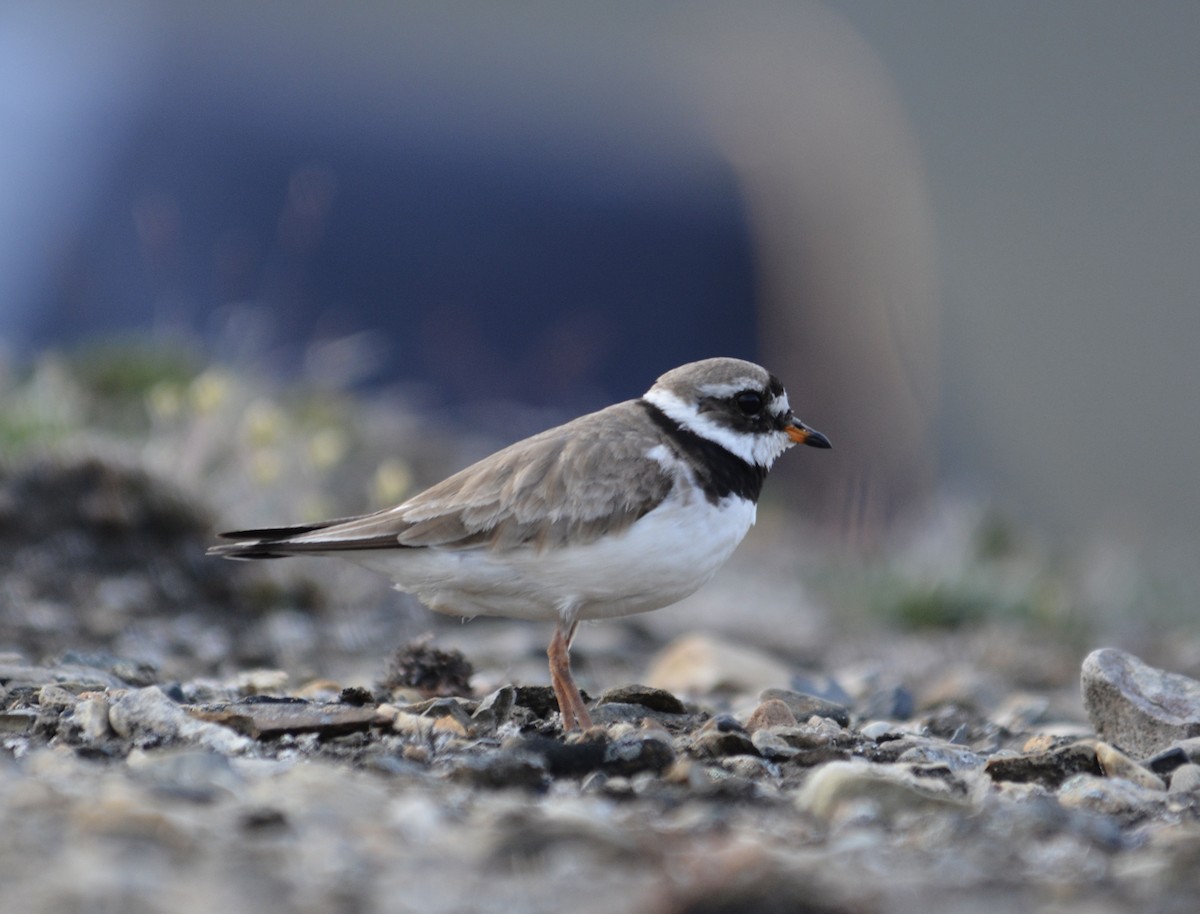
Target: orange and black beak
column 797, row 431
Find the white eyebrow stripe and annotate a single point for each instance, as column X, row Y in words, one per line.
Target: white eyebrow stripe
column 730, row 388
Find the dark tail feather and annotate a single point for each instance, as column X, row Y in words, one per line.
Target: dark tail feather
column 280, row 542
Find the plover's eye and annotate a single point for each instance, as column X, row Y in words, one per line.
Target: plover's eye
column 750, row 402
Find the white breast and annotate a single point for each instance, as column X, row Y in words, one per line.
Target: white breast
column 662, row 558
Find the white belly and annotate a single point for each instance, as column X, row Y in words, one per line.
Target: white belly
column 663, row 557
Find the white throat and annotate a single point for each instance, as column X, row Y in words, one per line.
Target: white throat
column 760, row 450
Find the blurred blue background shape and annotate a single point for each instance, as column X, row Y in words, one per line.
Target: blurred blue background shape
column 964, row 235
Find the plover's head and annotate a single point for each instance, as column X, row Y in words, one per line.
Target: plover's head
column 738, row 405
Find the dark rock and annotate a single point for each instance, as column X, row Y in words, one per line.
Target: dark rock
column 263, row 819
column 724, row 723
column 1050, row 769
column 805, row 706
column 1141, row 709
column 716, row 743
column 538, row 699
column 356, row 696
column 635, row 753
column 559, row 758
column 1168, row 760
column 646, row 696
column 502, row 768
column 430, row 670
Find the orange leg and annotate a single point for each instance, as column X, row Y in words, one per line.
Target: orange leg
column 570, row 702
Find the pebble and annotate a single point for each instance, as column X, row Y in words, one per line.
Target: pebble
column 499, row 769
column 148, row 717
column 495, row 709
column 772, row 746
column 770, row 713
column 20, row 720
column 1186, row 778
column 805, row 706
column 1168, row 760
column 1190, row 748
column 955, row 758
column 1137, row 707
column 887, row 790
column 636, row 753
column 91, row 715
column 645, row 696
column 700, row 664
column 1110, row 797
column 718, row 743
column 1116, row 764
column 1047, row 768
column 560, row 758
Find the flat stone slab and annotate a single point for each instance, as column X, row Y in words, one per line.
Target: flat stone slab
column 271, row 720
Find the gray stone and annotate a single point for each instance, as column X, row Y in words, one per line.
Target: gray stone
column 1110, row 797
column 955, row 758
column 805, row 706
column 148, row 717
column 880, row 730
column 773, row 746
column 495, row 708
column 885, row 790
column 1186, row 779
column 91, row 716
column 638, row 752
column 1139, row 708
column 645, row 696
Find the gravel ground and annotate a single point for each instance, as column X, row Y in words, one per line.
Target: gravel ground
column 180, row 735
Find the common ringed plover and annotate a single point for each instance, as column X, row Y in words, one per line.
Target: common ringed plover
column 620, row 511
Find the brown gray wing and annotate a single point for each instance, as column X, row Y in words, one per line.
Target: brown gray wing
column 575, row 482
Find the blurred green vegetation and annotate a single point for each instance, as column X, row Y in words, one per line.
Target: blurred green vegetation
column 254, row 451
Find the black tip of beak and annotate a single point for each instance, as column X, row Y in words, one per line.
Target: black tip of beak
column 816, row 439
